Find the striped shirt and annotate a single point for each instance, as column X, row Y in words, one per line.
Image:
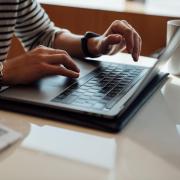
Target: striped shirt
column 28, row 21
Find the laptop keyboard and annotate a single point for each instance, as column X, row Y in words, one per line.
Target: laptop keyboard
column 102, row 88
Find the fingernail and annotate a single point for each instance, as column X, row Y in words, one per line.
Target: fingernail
column 77, row 74
column 78, row 70
column 135, row 58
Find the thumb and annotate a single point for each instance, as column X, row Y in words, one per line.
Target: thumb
column 109, row 41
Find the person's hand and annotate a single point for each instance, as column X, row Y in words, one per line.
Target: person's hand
column 119, row 36
column 38, row 63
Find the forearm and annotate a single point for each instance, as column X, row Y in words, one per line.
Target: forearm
column 70, row 43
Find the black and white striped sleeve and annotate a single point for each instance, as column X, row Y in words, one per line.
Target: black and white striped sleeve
column 33, row 26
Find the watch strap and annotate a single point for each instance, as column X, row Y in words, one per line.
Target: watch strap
column 84, row 44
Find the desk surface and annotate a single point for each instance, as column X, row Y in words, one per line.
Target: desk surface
column 147, row 149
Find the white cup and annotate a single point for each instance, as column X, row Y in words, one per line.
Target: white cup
column 174, row 61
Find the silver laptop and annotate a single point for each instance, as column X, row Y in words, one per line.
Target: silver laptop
column 104, row 89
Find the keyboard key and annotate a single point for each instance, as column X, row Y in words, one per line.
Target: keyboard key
column 107, row 98
column 98, row 94
column 76, row 93
column 96, row 88
column 84, row 88
column 111, row 94
column 80, row 90
column 88, row 93
column 83, row 96
column 92, row 90
column 96, row 98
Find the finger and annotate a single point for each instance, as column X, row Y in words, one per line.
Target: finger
column 62, row 59
column 140, row 45
column 137, row 43
column 59, row 70
column 109, row 41
column 46, row 50
column 117, row 48
column 123, row 28
column 68, row 73
column 137, row 47
column 135, row 53
column 114, row 50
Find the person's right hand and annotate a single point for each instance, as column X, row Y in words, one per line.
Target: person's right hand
column 38, row 63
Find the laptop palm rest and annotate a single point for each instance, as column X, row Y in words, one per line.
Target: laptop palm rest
column 44, row 90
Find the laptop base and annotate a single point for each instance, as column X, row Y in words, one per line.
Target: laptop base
column 103, row 124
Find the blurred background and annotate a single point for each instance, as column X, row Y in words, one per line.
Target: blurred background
column 149, row 17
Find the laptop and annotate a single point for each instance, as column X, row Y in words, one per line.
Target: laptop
column 105, row 89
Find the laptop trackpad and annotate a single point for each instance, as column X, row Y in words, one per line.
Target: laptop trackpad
column 47, row 88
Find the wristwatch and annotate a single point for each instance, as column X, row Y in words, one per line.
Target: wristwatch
column 84, row 44
column 1, row 72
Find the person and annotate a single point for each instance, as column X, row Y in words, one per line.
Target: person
column 49, row 49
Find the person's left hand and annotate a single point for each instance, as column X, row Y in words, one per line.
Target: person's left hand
column 119, row 36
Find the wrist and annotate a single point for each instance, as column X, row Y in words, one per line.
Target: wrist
column 93, row 47
column 89, row 44
column 6, row 73
column 1, row 73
